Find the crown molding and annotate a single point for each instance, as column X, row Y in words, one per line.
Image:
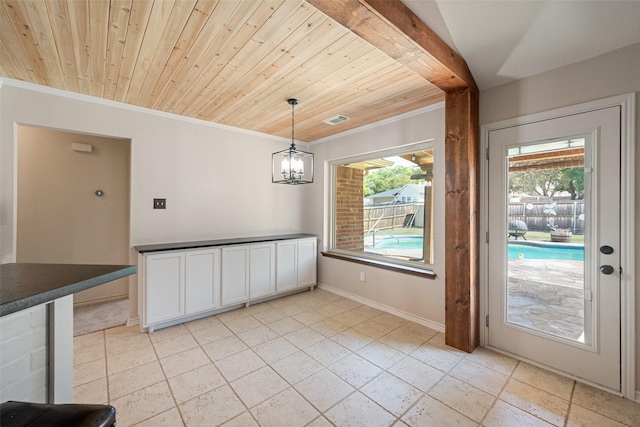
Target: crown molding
column 4, row 81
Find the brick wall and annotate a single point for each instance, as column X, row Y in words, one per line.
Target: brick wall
column 349, row 211
column 23, row 356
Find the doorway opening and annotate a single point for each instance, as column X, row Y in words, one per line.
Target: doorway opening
column 73, row 193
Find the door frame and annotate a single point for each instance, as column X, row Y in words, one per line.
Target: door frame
column 627, row 224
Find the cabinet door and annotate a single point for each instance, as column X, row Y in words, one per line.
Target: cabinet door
column 202, row 288
column 235, row 275
column 164, row 287
column 262, row 270
column 286, row 276
column 307, row 257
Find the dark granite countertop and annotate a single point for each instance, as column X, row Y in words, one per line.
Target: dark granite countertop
column 25, row 285
column 220, row 242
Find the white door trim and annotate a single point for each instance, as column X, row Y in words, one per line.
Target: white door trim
column 628, row 278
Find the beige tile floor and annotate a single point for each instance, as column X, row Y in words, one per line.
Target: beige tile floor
column 317, row 359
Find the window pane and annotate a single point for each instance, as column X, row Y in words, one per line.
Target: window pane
column 383, row 207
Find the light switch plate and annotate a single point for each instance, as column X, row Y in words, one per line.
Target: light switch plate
column 159, row 203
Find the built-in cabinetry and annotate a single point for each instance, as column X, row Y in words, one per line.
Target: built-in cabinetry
column 202, row 280
column 296, row 264
column 262, row 270
column 235, row 275
column 164, row 287
column 184, row 283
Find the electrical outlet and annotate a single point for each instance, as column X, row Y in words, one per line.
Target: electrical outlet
column 362, row 276
column 159, row 203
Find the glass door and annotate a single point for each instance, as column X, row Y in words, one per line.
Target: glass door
column 554, row 227
column 546, row 222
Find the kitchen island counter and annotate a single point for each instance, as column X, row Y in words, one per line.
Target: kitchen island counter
column 36, row 326
column 24, row 285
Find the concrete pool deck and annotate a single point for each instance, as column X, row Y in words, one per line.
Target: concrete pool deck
column 547, row 296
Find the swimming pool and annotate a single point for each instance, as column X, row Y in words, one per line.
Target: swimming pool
column 556, row 252
column 400, row 242
column 528, row 251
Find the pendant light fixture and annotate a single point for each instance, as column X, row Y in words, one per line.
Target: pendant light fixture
column 292, row 166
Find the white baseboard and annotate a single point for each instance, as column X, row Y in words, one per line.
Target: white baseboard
column 100, row 300
column 133, row 321
column 403, row 314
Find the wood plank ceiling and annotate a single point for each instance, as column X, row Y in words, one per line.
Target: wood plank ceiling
column 226, row 61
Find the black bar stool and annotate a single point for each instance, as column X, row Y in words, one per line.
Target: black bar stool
column 22, row 414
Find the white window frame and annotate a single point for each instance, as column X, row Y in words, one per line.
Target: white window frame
column 331, row 177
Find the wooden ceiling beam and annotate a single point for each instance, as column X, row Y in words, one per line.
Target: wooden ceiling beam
column 391, row 27
column 558, row 164
column 570, row 152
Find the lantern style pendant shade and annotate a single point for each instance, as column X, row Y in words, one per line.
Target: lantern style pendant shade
column 292, row 166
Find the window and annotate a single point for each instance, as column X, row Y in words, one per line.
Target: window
column 382, row 207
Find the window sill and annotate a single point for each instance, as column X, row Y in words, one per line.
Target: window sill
column 399, row 268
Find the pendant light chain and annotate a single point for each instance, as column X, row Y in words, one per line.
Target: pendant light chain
column 293, row 103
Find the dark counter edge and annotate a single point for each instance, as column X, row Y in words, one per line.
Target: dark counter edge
column 47, row 296
column 219, row 242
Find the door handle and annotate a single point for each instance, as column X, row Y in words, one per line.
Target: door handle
column 606, row 269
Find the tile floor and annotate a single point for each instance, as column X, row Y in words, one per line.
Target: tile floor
column 317, row 359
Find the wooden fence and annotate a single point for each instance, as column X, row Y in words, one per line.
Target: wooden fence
column 569, row 214
column 387, row 216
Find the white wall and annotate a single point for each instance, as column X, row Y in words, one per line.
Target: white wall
column 614, row 73
column 419, row 298
column 216, row 179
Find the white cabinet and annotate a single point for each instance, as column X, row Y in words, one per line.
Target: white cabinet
column 164, row 290
column 248, row 272
column 307, row 262
column 296, row 264
column 262, row 270
column 202, row 289
column 177, row 285
column 287, row 252
column 235, row 275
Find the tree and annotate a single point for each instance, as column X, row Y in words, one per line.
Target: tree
column 536, row 182
column 547, row 183
column 573, row 182
column 387, row 179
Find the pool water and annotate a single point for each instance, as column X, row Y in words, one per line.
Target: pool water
column 400, row 242
column 557, row 252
